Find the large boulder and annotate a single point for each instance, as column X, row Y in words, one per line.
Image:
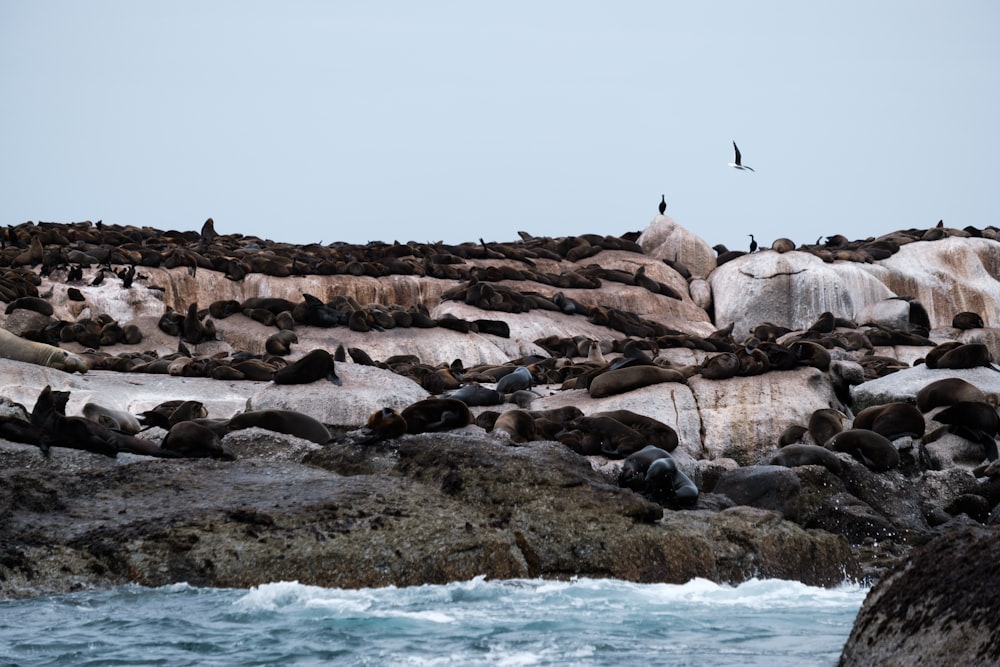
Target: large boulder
column 663, row 238
column 937, row 607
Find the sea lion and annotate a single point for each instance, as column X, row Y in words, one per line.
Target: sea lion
column 315, row 365
column 621, row 380
column 893, row 420
column 824, row 424
column 16, row 429
column 799, row 454
column 518, row 424
column 192, row 440
column 948, row 392
column 875, row 451
column 519, row 378
column 280, row 343
column 289, row 422
column 474, row 394
column 436, row 414
column 20, row 349
column 384, row 424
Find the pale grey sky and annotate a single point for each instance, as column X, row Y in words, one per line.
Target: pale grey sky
column 355, row 121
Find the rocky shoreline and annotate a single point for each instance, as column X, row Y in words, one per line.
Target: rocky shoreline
column 446, row 506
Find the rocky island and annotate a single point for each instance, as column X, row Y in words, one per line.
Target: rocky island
column 815, row 412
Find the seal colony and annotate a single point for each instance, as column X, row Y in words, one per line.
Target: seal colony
column 644, row 336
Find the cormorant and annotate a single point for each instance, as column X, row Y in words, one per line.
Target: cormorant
column 663, row 204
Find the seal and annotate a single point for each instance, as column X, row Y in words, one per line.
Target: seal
column 517, row 424
column 33, row 303
column 653, row 473
column 606, row 436
column 973, row 420
column 315, row 365
column 962, row 355
column 32, row 352
column 474, row 394
column 288, row 422
column 808, row 353
column 967, row 320
column 792, row 435
column 117, row 420
column 948, row 392
column 654, row 431
column 824, row 424
column 794, row 455
column 280, row 343
column 720, row 366
column 875, row 451
column 666, row 484
column 519, row 378
column 192, row 440
column 633, row 472
column 893, row 420
column 630, row 378
column 82, row 433
column 384, row 424
column 436, row 414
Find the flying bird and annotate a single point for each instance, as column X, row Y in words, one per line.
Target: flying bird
column 663, row 203
column 739, row 160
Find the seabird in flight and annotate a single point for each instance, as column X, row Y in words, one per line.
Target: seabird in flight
column 739, row 160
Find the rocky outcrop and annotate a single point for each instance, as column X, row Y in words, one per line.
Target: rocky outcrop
column 792, row 289
column 431, row 508
column 937, row 608
column 415, row 320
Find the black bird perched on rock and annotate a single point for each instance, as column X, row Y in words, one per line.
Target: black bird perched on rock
column 663, row 204
column 753, row 243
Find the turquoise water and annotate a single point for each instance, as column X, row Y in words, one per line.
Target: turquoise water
column 478, row 622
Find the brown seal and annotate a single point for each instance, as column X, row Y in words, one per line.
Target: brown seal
column 192, row 440
column 385, row 424
column 315, row 365
column 518, row 424
column 875, row 451
column 654, row 431
column 893, row 420
column 621, row 380
column 289, row 422
column 948, row 391
column 436, row 414
column 795, row 455
column 824, row 424
column 280, row 343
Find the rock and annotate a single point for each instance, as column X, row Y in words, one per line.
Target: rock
column 769, row 487
column 903, row 385
column 938, row 607
column 663, row 238
column 430, row 508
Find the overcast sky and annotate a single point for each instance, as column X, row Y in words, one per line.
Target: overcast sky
column 356, row 121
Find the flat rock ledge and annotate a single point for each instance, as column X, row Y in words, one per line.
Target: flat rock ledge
column 430, row 508
column 939, row 607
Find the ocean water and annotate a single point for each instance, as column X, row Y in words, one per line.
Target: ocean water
column 478, row 622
